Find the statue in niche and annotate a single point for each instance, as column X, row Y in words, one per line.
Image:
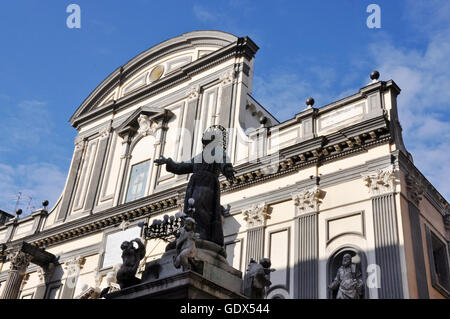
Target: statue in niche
column 186, row 248
column 348, row 281
column 204, row 185
column 257, row 278
column 132, row 253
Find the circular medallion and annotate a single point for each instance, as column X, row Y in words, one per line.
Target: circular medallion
column 156, row 73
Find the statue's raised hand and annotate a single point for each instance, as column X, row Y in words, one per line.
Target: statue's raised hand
column 229, row 173
column 161, row 161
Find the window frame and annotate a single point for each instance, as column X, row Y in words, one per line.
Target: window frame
column 434, row 277
column 149, row 160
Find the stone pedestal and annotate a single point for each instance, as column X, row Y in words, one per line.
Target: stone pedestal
column 214, row 279
column 184, row 285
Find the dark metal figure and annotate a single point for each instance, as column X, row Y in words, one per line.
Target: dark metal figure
column 257, row 278
column 132, row 253
column 186, row 247
column 204, row 185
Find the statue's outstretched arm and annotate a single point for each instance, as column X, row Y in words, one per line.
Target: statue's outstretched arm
column 175, row 167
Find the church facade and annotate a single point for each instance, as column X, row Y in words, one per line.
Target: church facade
column 327, row 182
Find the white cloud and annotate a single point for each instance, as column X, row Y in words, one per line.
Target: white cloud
column 38, row 181
column 284, row 94
column 26, row 123
column 425, row 98
column 203, row 14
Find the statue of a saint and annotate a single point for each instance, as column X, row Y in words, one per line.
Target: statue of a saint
column 348, row 280
column 204, row 185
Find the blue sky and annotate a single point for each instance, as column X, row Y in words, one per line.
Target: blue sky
column 307, row 48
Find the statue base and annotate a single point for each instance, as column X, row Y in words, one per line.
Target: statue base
column 184, row 285
column 213, row 278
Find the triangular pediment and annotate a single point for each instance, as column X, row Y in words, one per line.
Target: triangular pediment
column 153, row 114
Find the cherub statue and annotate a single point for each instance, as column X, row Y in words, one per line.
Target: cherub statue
column 257, row 278
column 186, row 247
column 132, row 253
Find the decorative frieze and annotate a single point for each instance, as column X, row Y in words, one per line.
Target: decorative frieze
column 257, row 215
column 382, row 181
column 414, row 189
column 193, row 92
column 309, row 200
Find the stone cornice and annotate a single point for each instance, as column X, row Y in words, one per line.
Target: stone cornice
column 428, row 190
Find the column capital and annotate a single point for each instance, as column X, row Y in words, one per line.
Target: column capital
column 19, row 261
column 227, row 77
column 309, row 200
column 256, row 215
column 382, row 181
column 74, row 265
column 193, row 92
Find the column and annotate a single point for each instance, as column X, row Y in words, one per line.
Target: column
column 307, row 203
column 73, row 267
column 97, row 169
column 381, row 186
column 45, row 276
column 414, row 190
column 19, row 263
column 255, row 217
column 226, row 98
column 70, row 185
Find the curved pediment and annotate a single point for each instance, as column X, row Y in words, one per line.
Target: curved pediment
column 151, row 66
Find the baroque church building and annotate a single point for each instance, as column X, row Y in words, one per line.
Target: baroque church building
column 328, row 182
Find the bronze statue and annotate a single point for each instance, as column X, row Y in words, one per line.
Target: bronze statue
column 257, row 278
column 348, row 280
column 204, row 185
column 132, row 253
column 186, row 248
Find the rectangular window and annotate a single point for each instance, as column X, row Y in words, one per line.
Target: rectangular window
column 439, row 265
column 138, row 181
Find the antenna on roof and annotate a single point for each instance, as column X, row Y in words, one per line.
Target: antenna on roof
column 19, row 196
